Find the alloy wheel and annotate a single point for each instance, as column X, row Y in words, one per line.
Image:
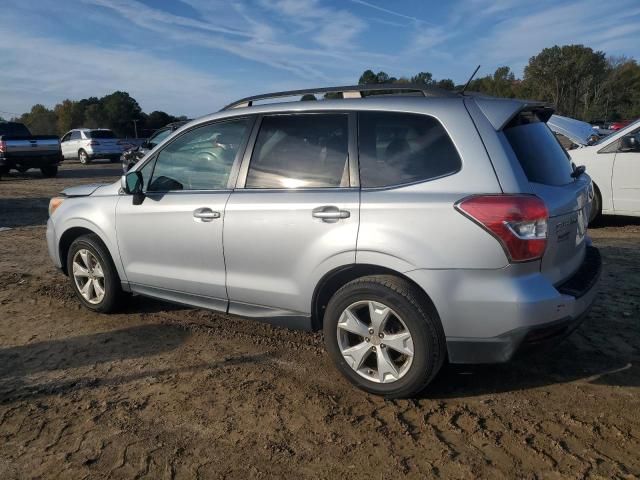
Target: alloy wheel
column 88, row 276
column 375, row 342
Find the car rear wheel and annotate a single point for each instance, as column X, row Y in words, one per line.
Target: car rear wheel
column 384, row 336
column 83, row 157
column 49, row 171
column 93, row 275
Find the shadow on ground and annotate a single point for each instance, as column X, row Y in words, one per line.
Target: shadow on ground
column 23, row 212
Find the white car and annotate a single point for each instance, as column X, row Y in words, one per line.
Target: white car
column 87, row 144
column 613, row 163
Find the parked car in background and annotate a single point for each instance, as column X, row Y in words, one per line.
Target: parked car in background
column 411, row 229
column 21, row 151
column 87, row 144
column 618, row 125
column 132, row 155
column 613, row 163
column 572, row 133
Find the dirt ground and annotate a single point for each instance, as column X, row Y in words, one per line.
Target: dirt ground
column 161, row 391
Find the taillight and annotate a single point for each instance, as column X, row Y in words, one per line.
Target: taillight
column 93, row 143
column 3, row 146
column 518, row 222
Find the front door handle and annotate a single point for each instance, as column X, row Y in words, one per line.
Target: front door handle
column 330, row 213
column 205, row 214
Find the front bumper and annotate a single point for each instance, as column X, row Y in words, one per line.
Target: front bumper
column 54, row 253
column 580, row 289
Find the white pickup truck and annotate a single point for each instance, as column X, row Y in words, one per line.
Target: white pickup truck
column 613, row 163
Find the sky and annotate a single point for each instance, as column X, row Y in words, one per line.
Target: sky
column 191, row 57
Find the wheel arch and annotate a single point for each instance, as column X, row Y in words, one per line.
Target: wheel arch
column 68, row 237
column 333, row 280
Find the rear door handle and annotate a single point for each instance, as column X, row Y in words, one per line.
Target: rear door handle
column 330, row 213
column 205, row 214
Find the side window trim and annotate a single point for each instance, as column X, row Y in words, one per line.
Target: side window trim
column 234, row 168
column 352, row 145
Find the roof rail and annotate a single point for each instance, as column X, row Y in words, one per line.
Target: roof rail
column 350, row 91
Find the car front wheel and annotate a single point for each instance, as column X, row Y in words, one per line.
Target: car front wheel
column 93, row 275
column 384, row 336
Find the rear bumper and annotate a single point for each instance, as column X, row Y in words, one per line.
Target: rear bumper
column 30, row 162
column 525, row 312
column 107, row 153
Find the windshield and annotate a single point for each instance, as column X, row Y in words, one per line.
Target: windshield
column 158, row 137
column 101, row 134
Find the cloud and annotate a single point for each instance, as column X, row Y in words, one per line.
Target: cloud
column 388, row 11
column 42, row 71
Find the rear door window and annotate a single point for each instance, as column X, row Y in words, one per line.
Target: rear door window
column 539, row 152
column 75, row 135
column 400, row 148
column 301, row 151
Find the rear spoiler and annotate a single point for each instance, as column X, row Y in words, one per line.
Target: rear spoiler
column 500, row 111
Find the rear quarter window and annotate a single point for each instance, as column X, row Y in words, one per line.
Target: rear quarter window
column 538, row 151
column 400, row 148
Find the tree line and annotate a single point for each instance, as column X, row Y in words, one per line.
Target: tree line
column 578, row 81
column 117, row 111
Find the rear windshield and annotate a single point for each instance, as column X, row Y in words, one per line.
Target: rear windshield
column 100, row 134
column 540, row 154
column 14, row 129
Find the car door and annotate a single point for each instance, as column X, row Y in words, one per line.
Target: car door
column 171, row 242
column 73, row 145
column 65, row 145
column 626, row 176
column 294, row 215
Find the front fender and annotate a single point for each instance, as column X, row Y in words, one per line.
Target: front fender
column 96, row 214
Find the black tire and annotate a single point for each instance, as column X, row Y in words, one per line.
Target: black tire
column 4, row 170
column 49, row 171
column 596, row 208
column 83, row 157
column 113, row 295
column 114, row 160
column 418, row 314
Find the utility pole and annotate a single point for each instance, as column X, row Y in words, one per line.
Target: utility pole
column 135, row 127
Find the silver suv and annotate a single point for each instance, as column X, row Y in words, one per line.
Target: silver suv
column 413, row 228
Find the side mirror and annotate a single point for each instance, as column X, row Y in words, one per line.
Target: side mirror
column 629, row 143
column 132, row 183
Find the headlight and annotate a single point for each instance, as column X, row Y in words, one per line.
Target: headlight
column 54, row 203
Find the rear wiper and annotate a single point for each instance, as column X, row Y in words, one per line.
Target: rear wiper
column 577, row 171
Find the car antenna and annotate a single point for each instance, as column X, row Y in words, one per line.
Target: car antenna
column 469, row 81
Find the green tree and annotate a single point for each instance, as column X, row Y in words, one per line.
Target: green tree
column 367, row 77
column 69, row 114
column 120, row 110
column 570, row 77
column 157, row 119
column 40, row 120
column 423, row 78
column 94, row 116
column 308, row 97
column 446, row 84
